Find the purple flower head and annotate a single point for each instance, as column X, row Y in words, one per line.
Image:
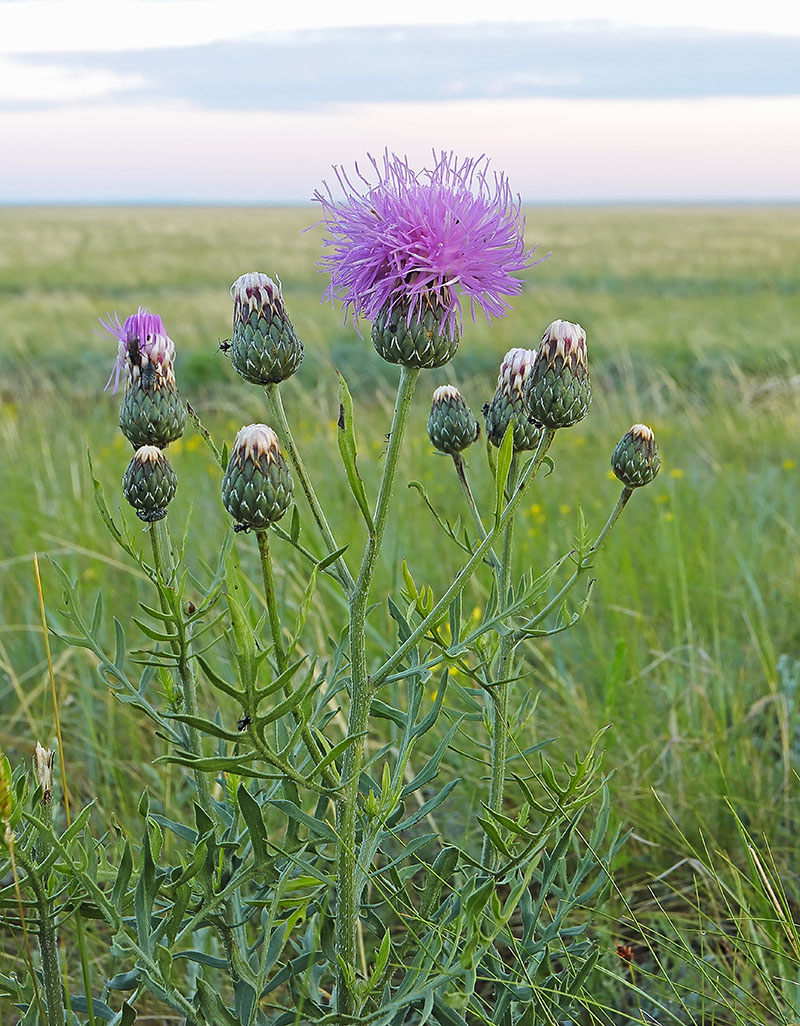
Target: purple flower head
column 142, row 338
column 411, row 236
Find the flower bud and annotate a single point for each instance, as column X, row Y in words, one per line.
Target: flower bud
column 151, row 412
column 427, row 339
column 508, row 404
column 635, row 460
column 264, row 346
column 451, row 425
column 43, row 760
column 558, row 392
column 149, row 483
column 257, row 486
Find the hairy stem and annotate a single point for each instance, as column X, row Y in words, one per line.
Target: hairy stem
column 500, row 694
column 275, row 402
column 347, row 917
column 48, row 943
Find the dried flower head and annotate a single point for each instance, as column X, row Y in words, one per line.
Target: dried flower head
column 142, row 342
column 410, row 237
column 43, row 760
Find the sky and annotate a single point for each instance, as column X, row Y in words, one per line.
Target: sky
column 252, row 101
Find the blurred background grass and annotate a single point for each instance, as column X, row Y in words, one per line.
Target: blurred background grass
column 690, row 647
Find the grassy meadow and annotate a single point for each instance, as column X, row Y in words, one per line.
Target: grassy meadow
column 689, row 649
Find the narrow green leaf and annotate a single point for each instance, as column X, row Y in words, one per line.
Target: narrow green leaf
column 316, row 826
column 335, row 752
column 251, row 813
column 493, row 834
column 346, row 437
column 504, row 457
column 294, row 526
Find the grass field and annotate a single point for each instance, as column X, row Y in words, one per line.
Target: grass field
column 690, row 646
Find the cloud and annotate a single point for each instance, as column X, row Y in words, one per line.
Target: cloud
column 313, row 70
column 23, row 83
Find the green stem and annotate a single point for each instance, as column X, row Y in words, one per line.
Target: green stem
column 232, row 937
column 268, row 577
column 275, row 402
column 500, row 694
column 347, row 917
column 580, row 570
column 48, row 943
column 461, row 471
column 162, row 554
column 466, row 572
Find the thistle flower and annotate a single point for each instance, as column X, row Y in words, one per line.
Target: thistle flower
column 558, row 392
column 143, row 345
column 257, row 486
column 264, row 346
column 151, row 412
column 515, row 371
column 149, row 483
column 635, row 459
column 410, row 244
column 451, row 424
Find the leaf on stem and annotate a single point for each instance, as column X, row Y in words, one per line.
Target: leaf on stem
column 346, row 437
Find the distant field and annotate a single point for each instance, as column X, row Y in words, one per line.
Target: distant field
column 690, row 646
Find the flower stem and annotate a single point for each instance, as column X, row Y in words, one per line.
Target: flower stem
column 466, row 571
column 582, row 568
column 280, row 652
column 347, row 917
column 461, row 471
column 275, row 402
column 500, row 694
column 48, row 943
column 162, row 555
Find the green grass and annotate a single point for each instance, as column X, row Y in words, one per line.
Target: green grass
column 690, row 645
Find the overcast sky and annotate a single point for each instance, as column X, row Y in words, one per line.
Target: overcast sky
column 247, row 101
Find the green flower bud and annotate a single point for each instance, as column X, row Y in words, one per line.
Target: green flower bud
column 558, row 392
column 451, row 425
column 428, row 340
column 151, row 412
column 635, row 460
column 508, row 404
column 149, row 483
column 264, row 346
column 257, row 486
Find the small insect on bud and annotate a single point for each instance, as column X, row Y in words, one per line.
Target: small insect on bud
column 558, row 392
column 635, row 459
column 257, row 486
column 149, row 483
column 264, row 346
column 508, row 403
column 451, row 425
column 43, row 759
